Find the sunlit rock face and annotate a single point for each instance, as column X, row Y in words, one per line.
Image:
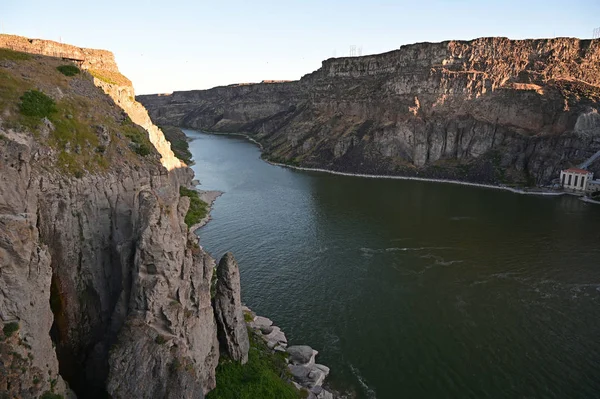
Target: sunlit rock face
column 489, row 110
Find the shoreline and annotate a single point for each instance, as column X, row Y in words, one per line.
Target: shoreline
column 208, row 196
column 369, row 176
column 306, row 374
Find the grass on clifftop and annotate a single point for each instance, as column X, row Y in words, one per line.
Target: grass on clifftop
column 11, row 55
column 113, row 78
column 198, row 208
column 262, row 377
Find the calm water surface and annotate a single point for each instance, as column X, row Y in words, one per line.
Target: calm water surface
column 413, row 289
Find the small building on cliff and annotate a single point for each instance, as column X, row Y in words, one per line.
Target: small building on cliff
column 575, row 179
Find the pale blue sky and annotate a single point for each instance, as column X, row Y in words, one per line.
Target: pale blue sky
column 164, row 46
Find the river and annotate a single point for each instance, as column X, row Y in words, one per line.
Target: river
column 413, row 289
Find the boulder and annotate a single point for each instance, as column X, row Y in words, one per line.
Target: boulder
column 307, row 376
column 231, row 327
column 302, row 354
column 325, row 395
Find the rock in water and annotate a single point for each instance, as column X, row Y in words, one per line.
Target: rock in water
column 231, row 327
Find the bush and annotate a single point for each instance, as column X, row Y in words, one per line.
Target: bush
column 10, row 328
column 160, row 340
column 198, row 208
column 35, row 103
column 141, row 144
column 68, row 70
column 142, row 149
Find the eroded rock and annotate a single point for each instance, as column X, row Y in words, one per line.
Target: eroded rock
column 231, row 327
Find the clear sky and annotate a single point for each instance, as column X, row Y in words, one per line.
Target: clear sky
column 164, row 46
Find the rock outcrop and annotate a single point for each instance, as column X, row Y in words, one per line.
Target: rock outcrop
column 489, row 110
column 305, row 373
column 102, row 286
column 103, row 68
column 231, row 327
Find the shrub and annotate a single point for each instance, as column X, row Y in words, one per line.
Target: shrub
column 160, row 340
column 10, row 328
column 142, row 149
column 198, row 208
column 51, row 395
column 68, row 70
column 37, row 104
column 141, row 144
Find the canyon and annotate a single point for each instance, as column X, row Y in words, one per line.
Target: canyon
column 490, row 110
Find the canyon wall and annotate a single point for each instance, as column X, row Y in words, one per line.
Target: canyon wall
column 489, row 110
column 104, row 291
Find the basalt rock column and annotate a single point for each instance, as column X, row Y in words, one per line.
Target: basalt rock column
column 231, row 328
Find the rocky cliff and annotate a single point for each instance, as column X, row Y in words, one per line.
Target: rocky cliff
column 103, row 288
column 102, row 66
column 489, row 110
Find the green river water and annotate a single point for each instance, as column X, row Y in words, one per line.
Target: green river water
column 413, row 289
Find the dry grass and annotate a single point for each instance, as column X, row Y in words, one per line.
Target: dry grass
column 88, row 133
column 113, row 78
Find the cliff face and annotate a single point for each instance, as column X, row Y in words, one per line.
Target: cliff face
column 103, row 68
column 102, row 285
column 490, row 110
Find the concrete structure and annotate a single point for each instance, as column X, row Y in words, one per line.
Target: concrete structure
column 592, row 186
column 575, row 179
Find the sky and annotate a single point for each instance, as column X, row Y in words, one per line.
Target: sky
column 164, row 46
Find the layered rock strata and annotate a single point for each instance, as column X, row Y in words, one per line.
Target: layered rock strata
column 489, row 110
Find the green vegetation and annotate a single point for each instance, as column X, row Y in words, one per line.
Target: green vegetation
column 10, row 328
column 282, row 160
column 160, row 340
column 51, row 395
column 141, row 144
column 179, row 143
column 11, row 55
column 198, row 208
column 68, row 70
column 113, row 78
column 36, row 104
column 262, row 377
column 248, row 317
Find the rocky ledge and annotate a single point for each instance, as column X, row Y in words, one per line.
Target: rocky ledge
column 305, row 372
